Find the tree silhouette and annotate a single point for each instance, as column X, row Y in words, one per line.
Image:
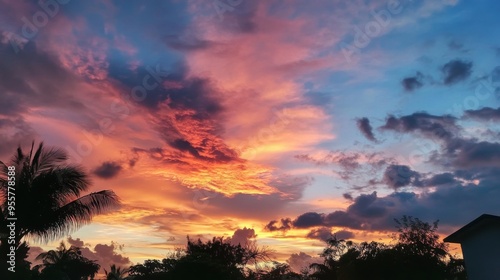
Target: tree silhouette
column 418, row 254
column 48, row 192
column 115, row 273
column 279, row 271
column 66, row 263
column 48, row 201
column 215, row 259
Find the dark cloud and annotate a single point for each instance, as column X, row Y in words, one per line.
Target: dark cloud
column 108, row 170
column 413, row 83
column 432, row 126
column 483, row 114
column 397, row 176
column 344, row 234
column 347, row 196
column 75, row 242
column 169, row 86
column 367, row 212
column 186, row 112
column 183, row 145
column 467, row 189
column 456, row 151
column 440, row 179
column 196, row 94
column 470, row 154
column 323, row 234
column 243, row 236
column 307, row 220
column 365, row 127
column 281, row 225
column 456, row 71
column 453, row 204
column 367, row 206
column 342, row 219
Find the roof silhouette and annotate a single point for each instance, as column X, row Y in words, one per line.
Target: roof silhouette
column 477, row 224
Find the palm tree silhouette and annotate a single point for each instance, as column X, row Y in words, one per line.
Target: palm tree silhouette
column 59, row 257
column 67, row 263
column 115, row 273
column 48, row 201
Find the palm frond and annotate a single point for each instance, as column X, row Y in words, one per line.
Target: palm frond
column 61, row 184
column 36, row 157
column 19, row 157
column 74, row 215
column 51, row 158
column 49, row 194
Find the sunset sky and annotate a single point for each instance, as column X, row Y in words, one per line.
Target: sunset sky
column 280, row 121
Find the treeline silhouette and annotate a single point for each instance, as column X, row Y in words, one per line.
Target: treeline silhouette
column 417, row 254
column 50, row 205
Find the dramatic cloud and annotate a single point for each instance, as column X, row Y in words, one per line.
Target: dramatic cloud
column 471, row 191
column 243, row 236
column 365, row 128
column 432, row 126
column 343, row 234
column 413, row 83
column 322, row 233
column 470, row 153
column 456, row 149
column 440, row 179
column 347, row 196
column 483, row 114
column 456, row 71
column 108, row 170
column 308, row 220
column 75, row 242
column 367, row 206
column 325, row 233
column 397, row 176
column 282, row 225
